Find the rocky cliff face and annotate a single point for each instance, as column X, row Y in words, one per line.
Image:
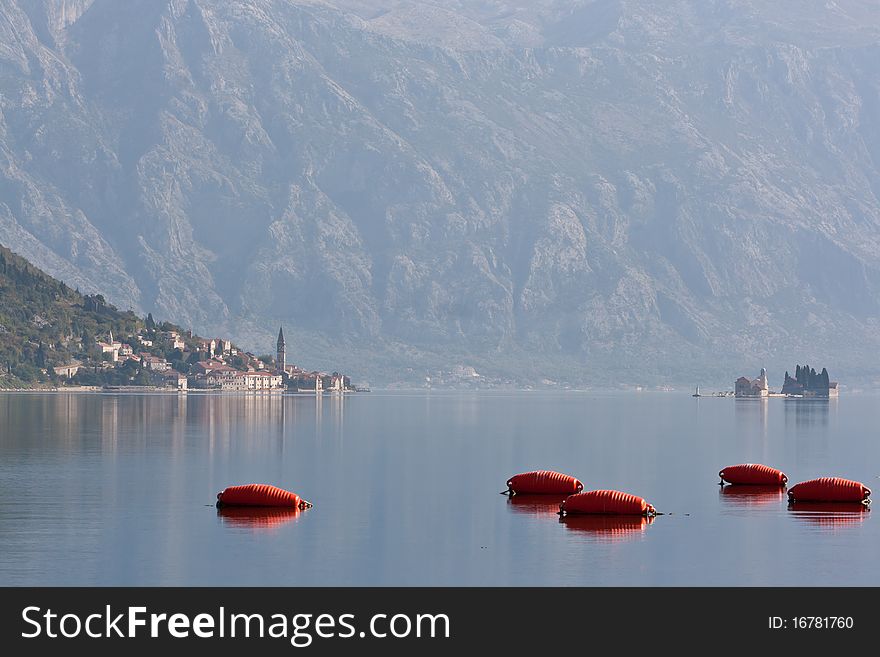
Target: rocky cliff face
column 561, row 189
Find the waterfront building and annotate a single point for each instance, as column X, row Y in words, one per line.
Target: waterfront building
column 242, row 381
column 174, row 379
column 758, row 387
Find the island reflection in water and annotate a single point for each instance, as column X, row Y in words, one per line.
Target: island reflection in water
column 807, row 413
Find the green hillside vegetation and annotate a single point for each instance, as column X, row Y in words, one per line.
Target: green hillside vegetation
column 44, row 323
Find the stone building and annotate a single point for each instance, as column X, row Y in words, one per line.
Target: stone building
column 746, row 387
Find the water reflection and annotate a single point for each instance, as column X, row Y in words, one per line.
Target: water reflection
column 830, row 515
column 109, row 489
column 748, row 497
column 257, row 518
column 805, row 413
column 607, row 528
column 751, row 413
column 536, row 505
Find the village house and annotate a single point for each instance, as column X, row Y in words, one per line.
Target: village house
column 111, row 348
column 108, row 349
column 67, row 371
column 174, row 379
column 155, row 363
column 223, row 347
column 207, row 366
column 174, row 341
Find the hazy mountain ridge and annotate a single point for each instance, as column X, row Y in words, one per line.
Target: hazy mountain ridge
column 673, row 185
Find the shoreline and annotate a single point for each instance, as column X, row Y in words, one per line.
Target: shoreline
column 167, row 391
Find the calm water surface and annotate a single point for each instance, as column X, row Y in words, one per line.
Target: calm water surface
column 102, row 489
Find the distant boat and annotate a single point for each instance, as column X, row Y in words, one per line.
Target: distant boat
column 697, row 393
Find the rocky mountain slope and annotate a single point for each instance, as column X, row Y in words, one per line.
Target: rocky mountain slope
column 583, row 191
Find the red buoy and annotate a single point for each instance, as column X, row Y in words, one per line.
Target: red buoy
column 606, row 501
column 260, row 495
column 753, row 474
column 544, row 482
column 829, row 489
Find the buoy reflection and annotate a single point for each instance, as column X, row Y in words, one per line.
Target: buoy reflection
column 830, row 514
column 257, row 517
column 608, row 528
column 536, row 505
column 752, row 496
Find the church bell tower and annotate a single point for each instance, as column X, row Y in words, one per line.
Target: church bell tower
column 281, row 355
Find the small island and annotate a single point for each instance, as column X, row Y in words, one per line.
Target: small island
column 807, row 383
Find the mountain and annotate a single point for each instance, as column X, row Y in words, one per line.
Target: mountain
column 590, row 192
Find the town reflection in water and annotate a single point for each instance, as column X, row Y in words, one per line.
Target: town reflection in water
column 226, row 419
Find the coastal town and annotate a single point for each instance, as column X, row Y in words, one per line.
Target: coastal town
column 168, row 359
column 54, row 337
